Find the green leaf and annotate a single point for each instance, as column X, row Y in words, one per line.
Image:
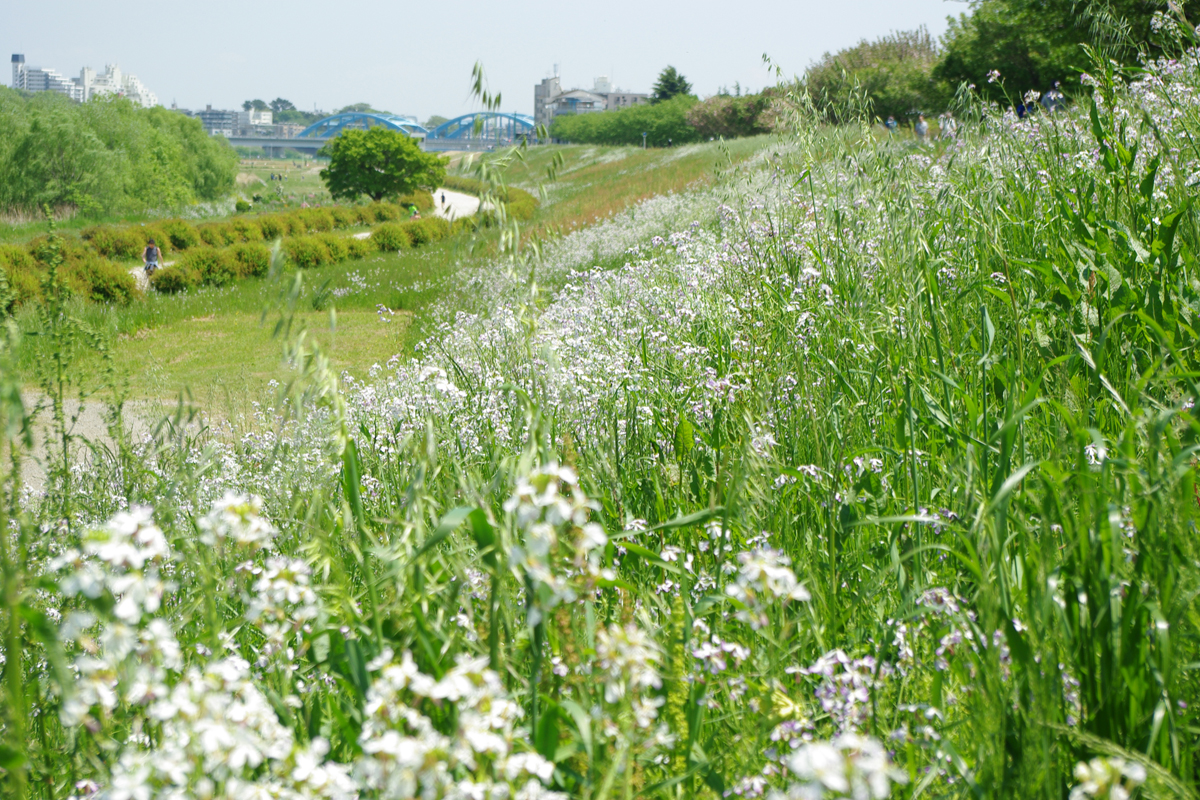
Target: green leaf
column 485, row 537
column 583, row 724
column 446, row 527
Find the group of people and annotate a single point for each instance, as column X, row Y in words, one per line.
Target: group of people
column 947, row 126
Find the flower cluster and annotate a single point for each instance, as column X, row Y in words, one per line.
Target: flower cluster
column 559, row 548
column 1107, row 778
column 850, row 766
column 763, row 579
column 405, row 755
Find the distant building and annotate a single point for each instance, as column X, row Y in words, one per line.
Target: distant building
column 89, row 84
column 549, row 99
column 218, row 122
column 288, row 130
column 253, row 118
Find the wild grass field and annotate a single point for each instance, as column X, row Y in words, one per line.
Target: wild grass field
column 862, row 470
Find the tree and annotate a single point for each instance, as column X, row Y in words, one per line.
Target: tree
column 895, row 72
column 670, row 84
column 378, row 163
column 255, row 105
column 730, row 116
column 279, row 104
column 1033, row 43
column 434, row 121
column 363, row 108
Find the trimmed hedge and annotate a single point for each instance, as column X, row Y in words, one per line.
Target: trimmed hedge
column 252, row 259
column 83, row 272
column 306, row 252
column 391, row 237
column 112, row 242
column 174, row 279
column 426, row 230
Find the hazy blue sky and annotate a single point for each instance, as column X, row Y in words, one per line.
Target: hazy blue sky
column 416, row 57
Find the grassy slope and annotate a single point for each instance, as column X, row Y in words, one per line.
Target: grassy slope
column 215, row 340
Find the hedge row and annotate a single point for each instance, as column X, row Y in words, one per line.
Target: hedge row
column 176, row 235
column 83, row 273
column 518, row 203
column 213, row 267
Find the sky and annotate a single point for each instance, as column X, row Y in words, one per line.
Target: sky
column 416, row 57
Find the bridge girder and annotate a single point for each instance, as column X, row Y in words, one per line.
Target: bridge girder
column 493, row 125
column 332, row 126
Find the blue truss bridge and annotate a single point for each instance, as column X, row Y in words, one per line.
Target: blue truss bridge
column 477, row 131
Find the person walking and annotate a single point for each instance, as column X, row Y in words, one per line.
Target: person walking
column 890, row 125
column 151, row 257
column 443, row 199
column 921, row 128
column 949, row 126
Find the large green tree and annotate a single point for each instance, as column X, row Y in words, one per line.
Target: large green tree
column 378, row 163
column 893, row 72
column 1033, row 43
column 670, row 84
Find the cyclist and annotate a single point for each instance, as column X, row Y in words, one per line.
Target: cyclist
column 151, row 256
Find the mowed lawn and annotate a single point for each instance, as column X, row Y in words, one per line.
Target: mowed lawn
column 241, row 353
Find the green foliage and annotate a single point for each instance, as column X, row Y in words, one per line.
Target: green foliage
column 182, row 235
column 392, row 236
column 114, row 242
column 105, row 281
column 724, row 116
column 174, row 279
column 241, row 206
column 359, row 248
column 670, row 84
column 895, row 72
column 255, row 105
column 663, row 122
column 1033, row 43
column 378, row 163
column 306, row 252
column 251, row 260
column 434, row 121
column 212, row 267
column 337, row 247
column 426, row 230
column 107, row 155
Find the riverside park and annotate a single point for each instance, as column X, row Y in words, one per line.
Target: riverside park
column 835, row 440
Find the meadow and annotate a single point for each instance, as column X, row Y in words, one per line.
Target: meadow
column 836, row 466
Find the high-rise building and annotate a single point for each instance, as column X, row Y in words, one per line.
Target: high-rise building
column 89, row 84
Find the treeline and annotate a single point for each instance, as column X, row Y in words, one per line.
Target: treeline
column 105, row 156
column 1031, row 44
column 680, row 120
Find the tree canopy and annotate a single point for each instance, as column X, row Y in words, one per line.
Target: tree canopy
column 670, row 84
column 378, row 163
column 893, row 71
column 255, row 105
column 107, row 154
column 279, row 104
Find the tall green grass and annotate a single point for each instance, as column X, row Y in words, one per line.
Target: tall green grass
column 873, row 476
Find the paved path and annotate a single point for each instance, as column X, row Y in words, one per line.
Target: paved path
column 457, row 205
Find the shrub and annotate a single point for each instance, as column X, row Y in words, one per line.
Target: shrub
column 316, row 219
column 251, row 259
column 214, row 267
column 729, row 117
column 182, row 235
column 217, row 234
column 273, row 226
column 241, row 206
column 296, row 225
column 112, row 242
column 359, row 248
column 246, row 230
column 391, row 237
column 104, row 280
column 343, row 217
column 23, row 273
column 306, row 252
column 174, row 279
column 429, row 229
column 338, row 250
column 662, row 122
column 422, row 199
column 162, row 240
column 364, row 214
column 385, row 212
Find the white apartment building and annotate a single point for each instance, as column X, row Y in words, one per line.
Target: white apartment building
column 549, row 99
column 89, row 84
